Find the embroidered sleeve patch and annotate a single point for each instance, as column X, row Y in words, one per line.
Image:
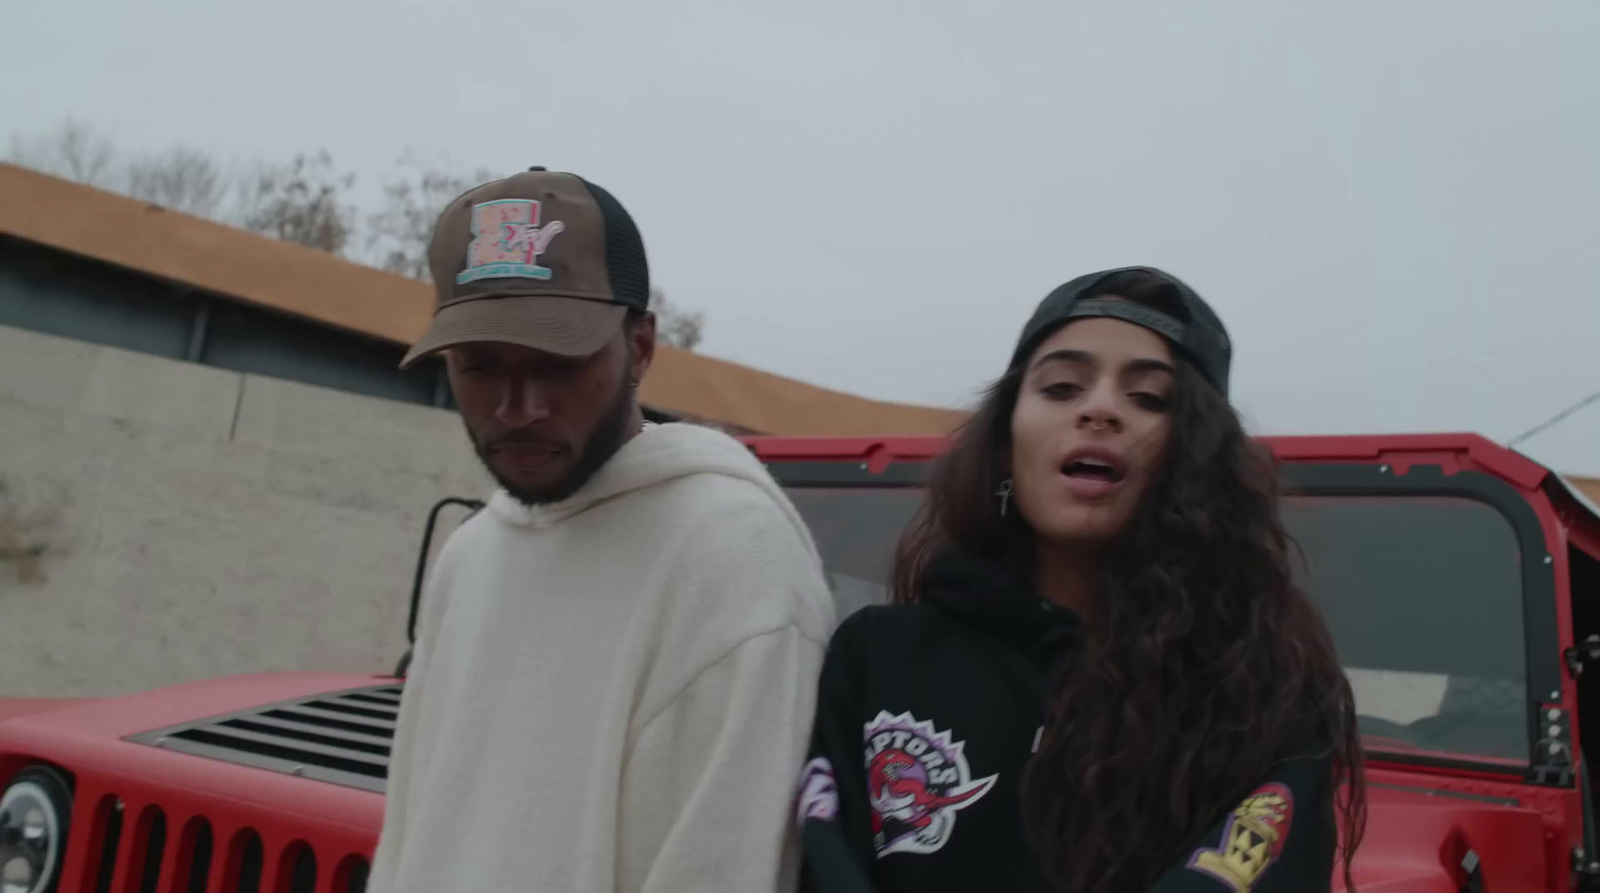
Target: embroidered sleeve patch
column 819, row 792
column 1252, row 838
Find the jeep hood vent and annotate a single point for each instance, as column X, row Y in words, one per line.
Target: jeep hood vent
column 341, row 738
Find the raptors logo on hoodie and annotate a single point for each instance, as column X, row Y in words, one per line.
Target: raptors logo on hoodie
column 917, row 780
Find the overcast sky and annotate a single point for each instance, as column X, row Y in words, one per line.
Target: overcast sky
column 1394, row 206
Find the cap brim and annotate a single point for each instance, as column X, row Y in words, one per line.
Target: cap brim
column 568, row 327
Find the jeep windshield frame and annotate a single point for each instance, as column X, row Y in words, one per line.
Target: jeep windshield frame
column 1542, row 673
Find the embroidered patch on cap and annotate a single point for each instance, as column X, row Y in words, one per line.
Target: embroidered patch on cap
column 819, row 792
column 917, row 778
column 507, row 239
column 1253, row 837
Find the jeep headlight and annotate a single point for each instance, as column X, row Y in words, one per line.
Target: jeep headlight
column 35, row 809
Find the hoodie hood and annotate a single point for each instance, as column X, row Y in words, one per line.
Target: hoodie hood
column 978, row 591
column 656, row 455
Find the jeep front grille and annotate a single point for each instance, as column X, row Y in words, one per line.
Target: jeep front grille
column 341, row 738
column 131, row 848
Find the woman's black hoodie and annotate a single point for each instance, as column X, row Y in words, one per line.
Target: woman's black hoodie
column 926, row 717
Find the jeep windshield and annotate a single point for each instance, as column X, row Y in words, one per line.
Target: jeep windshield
column 1422, row 594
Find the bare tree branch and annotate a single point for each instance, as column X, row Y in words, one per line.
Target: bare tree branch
column 181, row 178
column 399, row 233
column 73, row 150
column 676, row 326
column 304, row 201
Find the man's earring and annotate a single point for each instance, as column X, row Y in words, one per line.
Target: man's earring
column 1005, row 491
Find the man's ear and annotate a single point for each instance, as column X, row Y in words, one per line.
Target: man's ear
column 641, row 335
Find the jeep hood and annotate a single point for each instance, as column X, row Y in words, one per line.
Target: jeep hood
column 1418, row 837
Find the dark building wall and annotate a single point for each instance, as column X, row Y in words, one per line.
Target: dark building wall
column 48, row 291
column 56, row 293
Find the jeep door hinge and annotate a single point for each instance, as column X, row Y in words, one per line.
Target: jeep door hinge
column 1581, row 656
column 1586, row 869
column 1552, row 756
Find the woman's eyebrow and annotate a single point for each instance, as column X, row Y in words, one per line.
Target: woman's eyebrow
column 1150, row 365
column 1064, row 355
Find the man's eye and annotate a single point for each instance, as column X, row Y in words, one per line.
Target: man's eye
column 563, row 370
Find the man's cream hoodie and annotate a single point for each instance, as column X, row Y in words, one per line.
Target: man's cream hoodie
column 614, row 692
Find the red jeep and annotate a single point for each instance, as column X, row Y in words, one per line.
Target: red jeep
column 1461, row 580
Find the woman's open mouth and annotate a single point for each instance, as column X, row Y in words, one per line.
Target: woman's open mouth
column 1090, row 477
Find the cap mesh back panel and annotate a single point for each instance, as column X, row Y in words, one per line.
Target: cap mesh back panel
column 625, row 262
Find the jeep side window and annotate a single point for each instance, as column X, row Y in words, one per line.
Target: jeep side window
column 856, row 530
column 1423, row 595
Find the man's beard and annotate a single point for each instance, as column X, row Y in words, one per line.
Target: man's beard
column 608, row 435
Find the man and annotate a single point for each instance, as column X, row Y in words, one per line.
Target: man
column 614, row 676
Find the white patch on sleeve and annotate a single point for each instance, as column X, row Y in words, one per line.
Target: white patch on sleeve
column 819, row 792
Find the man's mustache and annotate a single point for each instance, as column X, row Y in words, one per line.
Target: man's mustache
column 520, row 439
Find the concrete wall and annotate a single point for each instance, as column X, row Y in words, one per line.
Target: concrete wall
column 197, row 522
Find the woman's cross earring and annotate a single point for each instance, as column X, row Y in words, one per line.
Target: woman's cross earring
column 1005, row 491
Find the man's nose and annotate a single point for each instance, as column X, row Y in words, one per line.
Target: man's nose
column 523, row 401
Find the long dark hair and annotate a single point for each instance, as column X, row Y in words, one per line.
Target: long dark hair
column 1204, row 667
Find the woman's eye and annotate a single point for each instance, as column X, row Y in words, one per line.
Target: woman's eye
column 1060, row 390
column 1152, row 402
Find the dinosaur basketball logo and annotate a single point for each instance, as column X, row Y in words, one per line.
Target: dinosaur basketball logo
column 917, row 780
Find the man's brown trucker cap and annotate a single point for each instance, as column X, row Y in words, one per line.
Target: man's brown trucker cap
column 540, row 259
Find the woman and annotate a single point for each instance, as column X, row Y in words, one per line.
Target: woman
column 1099, row 674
